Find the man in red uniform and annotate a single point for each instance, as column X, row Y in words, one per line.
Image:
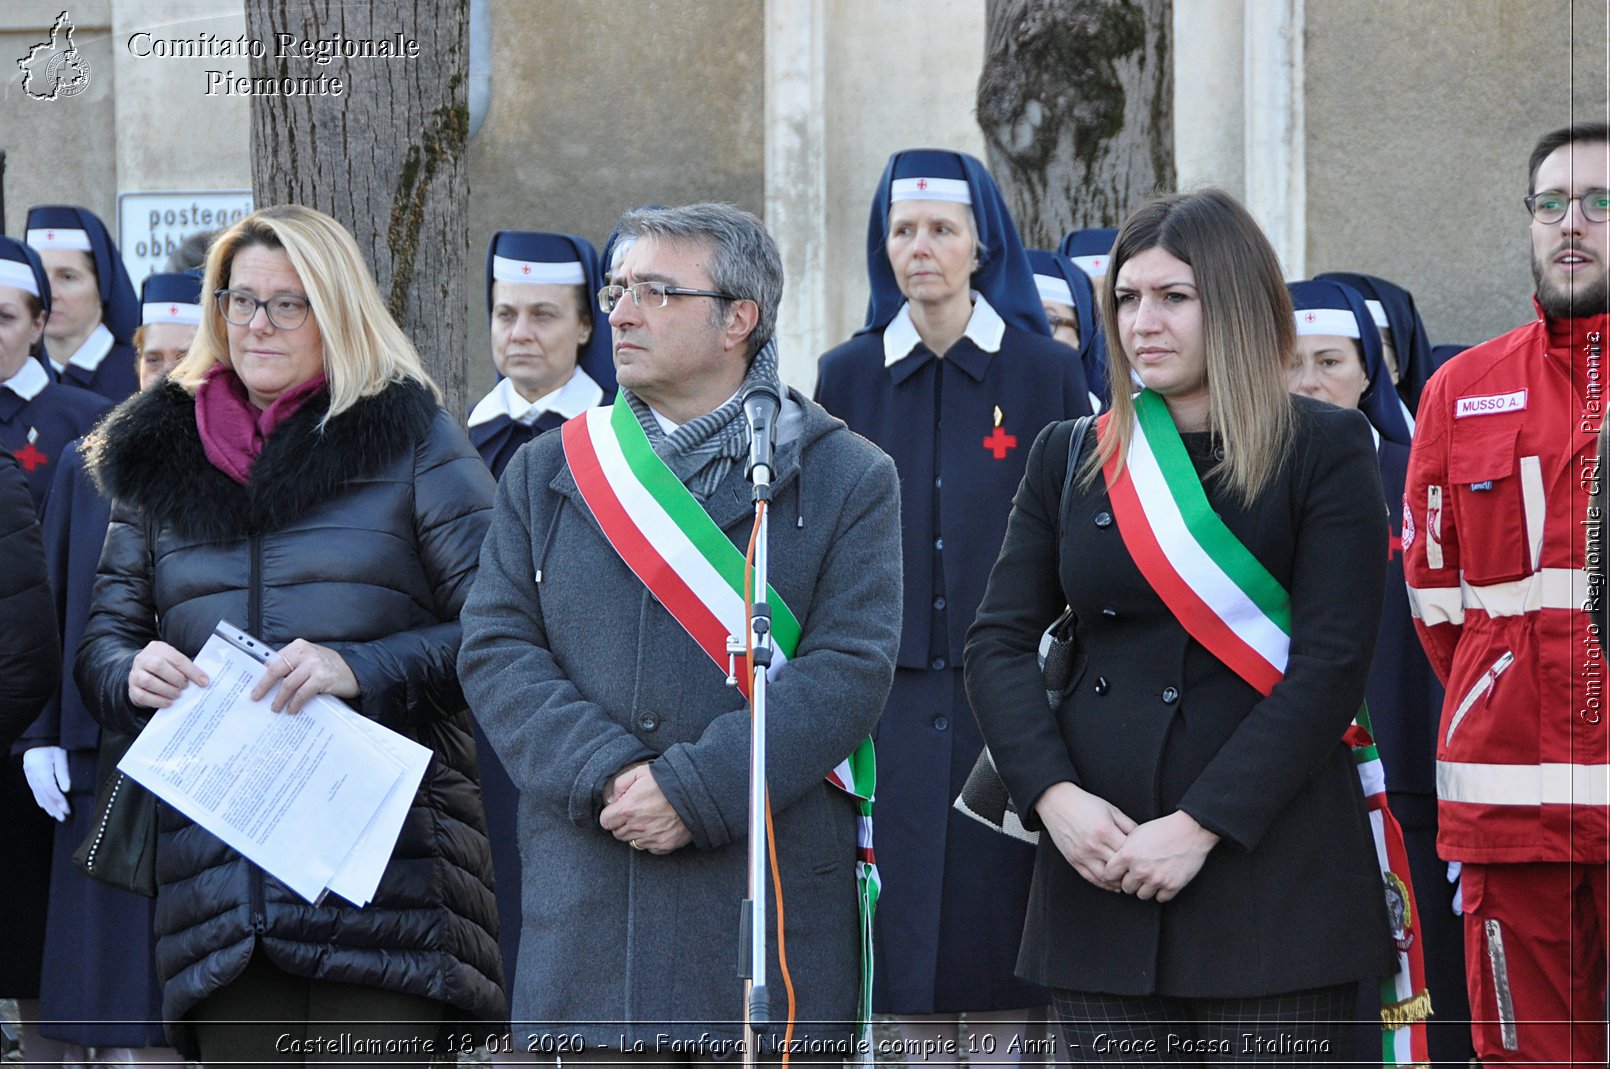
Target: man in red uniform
column 1495, row 516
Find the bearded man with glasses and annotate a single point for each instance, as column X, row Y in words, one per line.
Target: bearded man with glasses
column 1497, row 530
column 590, row 660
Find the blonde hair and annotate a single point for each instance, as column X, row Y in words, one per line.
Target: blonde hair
column 1248, row 332
column 364, row 349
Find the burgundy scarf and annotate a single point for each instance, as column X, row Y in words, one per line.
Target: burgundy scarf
column 233, row 429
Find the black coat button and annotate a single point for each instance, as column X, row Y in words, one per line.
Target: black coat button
column 939, row 664
column 1103, row 519
column 940, row 723
column 1101, row 684
column 939, row 603
column 1111, row 614
column 939, row 544
column 1170, row 695
column 648, row 721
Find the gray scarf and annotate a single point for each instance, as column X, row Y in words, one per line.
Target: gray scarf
column 703, row 450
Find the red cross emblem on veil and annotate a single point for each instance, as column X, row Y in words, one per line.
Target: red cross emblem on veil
column 922, row 183
column 50, row 235
column 1310, row 317
column 525, row 269
column 173, row 309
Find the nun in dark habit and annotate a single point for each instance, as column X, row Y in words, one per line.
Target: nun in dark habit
column 1069, row 301
column 551, row 350
column 81, row 1003
column 1090, row 249
column 1339, row 359
column 953, row 375
column 38, row 417
column 94, row 312
column 1405, row 345
column 554, row 360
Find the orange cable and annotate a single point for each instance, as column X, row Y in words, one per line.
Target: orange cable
column 771, row 834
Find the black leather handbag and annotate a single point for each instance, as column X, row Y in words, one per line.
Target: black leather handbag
column 984, row 796
column 121, row 849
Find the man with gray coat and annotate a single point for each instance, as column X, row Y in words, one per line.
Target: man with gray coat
column 601, row 691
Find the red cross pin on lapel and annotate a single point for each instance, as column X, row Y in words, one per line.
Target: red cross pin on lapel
column 998, row 441
column 29, row 455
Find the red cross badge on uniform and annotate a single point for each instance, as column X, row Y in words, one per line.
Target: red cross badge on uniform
column 998, row 441
column 29, row 456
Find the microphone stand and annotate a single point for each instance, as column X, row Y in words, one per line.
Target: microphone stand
column 752, row 926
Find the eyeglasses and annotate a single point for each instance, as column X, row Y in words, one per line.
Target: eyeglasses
column 1058, row 322
column 652, row 295
column 1551, row 205
column 287, row 312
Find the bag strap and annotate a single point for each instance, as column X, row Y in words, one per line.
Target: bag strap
column 1076, row 441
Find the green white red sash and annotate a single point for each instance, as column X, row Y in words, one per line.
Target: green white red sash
column 1230, row 603
column 692, row 568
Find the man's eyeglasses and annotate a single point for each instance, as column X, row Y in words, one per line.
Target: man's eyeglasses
column 1551, row 205
column 652, row 295
column 287, row 312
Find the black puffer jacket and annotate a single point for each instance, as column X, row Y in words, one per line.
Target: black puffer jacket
column 362, row 537
column 30, row 651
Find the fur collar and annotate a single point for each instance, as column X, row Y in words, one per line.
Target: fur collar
column 148, row 454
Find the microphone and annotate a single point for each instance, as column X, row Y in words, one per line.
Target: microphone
column 761, row 403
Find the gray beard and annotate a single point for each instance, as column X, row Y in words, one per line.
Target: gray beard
column 1575, row 300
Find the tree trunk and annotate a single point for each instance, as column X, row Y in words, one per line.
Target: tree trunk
column 1076, row 104
column 386, row 157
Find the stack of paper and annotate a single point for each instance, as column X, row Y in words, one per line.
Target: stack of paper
column 316, row 798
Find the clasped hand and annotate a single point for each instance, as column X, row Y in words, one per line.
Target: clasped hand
column 301, row 670
column 637, row 812
column 1156, row 859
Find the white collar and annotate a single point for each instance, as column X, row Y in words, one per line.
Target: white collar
column 985, row 326
column 576, row 396
column 29, row 381
column 1408, row 417
column 668, row 427
column 92, row 352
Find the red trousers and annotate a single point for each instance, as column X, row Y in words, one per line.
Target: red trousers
column 1537, row 961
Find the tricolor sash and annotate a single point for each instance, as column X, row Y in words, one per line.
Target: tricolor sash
column 691, row 567
column 1229, row 602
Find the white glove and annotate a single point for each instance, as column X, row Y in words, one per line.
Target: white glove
column 46, row 769
column 1455, row 869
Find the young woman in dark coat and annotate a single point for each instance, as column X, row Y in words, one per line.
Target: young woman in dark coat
column 1206, row 869
column 296, row 475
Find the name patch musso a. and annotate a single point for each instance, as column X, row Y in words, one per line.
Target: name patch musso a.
column 1489, row 405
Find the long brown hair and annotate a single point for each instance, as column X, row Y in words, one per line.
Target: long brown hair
column 1247, row 325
